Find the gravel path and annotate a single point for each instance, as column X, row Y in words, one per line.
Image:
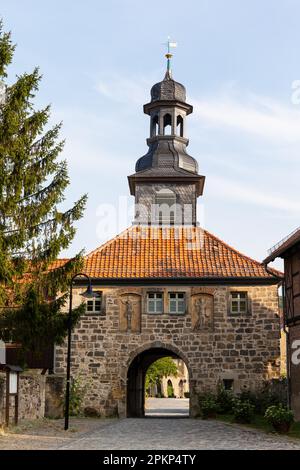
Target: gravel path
column 48, row 434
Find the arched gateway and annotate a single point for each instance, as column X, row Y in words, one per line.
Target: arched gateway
column 135, row 390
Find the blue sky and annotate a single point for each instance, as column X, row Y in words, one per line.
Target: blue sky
column 238, row 61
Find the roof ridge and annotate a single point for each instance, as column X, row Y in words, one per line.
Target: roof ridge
column 232, row 248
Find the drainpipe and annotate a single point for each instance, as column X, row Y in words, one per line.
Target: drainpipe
column 287, row 335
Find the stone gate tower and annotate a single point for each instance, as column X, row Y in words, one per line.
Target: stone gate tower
column 167, row 287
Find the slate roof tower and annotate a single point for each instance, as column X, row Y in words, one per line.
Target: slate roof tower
column 166, row 183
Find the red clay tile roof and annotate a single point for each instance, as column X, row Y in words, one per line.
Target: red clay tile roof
column 152, row 252
column 58, row 263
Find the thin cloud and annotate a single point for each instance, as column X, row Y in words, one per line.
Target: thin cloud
column 231, row 108
column 253, row 114
column 124, row 90
column 236, row 192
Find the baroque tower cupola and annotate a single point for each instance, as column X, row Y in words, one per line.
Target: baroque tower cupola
column 166, row 183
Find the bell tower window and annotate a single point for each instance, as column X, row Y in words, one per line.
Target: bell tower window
column 154, row 126
column 167, row 124
column 179, row 125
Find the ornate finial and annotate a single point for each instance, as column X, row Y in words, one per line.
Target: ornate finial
column 169, row 56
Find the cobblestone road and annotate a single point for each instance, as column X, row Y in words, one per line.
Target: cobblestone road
column 162, row 432
column 150, row 433
column 177, row 433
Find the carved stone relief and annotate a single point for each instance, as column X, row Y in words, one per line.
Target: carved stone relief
column 130, row 313
column 202, row 312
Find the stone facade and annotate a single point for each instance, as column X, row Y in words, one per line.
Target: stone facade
column 244, row 347
column 39, row 396
column 54, row 396
column 180, row 383
column 31, row 397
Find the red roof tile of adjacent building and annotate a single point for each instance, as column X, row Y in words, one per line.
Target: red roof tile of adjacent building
column 170, row 252
column 58, row 263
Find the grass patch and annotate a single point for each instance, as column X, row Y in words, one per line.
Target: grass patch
column 259, row 422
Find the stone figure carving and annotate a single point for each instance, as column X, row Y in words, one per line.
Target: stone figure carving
column 129, row 311
column 203, row 312
column 130, row 314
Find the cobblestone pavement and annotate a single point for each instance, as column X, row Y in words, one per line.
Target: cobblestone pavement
column 150, row 433
column 177, row 434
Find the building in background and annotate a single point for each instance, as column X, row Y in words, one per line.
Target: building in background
column 172, row 386
column 289, row 250
column 179, row 385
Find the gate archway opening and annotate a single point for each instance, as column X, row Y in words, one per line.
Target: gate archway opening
column 166, row 397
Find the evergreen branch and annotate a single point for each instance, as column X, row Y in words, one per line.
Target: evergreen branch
column 6, row 50
column 67, row 217
column 46, row 189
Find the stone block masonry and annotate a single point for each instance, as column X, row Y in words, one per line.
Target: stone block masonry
column 54, row 396
column 39, row 396
column 240, row 347
column 31, row 397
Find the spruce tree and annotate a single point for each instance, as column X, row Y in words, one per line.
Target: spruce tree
column 33, row 229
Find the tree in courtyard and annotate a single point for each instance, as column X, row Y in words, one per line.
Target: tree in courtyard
column 33, row 227
column 164, row 367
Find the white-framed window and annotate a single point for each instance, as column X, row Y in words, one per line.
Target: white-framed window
column 238, row 302
column 94, row 304
column 155, row 302
column 177, row 302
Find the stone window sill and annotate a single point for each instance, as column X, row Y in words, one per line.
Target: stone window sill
column 94, row 314
column 166, row 314
column 239, row 315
